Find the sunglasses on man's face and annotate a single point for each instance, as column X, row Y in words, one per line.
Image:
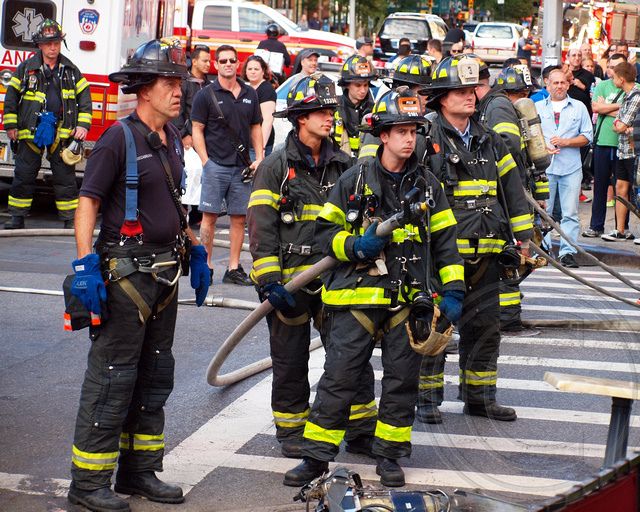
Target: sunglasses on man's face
column 455, row 51
column 224, row 61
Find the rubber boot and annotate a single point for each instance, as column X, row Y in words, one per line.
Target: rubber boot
column 292, row 448
column 69, row 224
column 360, row 445
column 148, row 485
column 305, row 472
column 429, row 414
column 98, row 500
column 492, row 411
column 16, row 222
column 391, row 474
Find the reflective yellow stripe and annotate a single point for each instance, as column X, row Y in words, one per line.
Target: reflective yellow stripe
column 15, row 83
column 266, row 265
column 290, row 420
column 18, row 202
column 478, row 378
column 485, row 246
column 25, row 134
column 361, row 295
column 476, row 188
column 64, row 133
column 542, row 187
column 317, row 433
column 337, row 245
column 522, row 222
column 67, row 205
column 81, row 85
column 10, row 119
column 142, row 442
column 84, row 118
column 290, row 273
column 363, row 411
column 407, row 232
column 442, row 220
column 68, row 94
column 264, row 197
column 432, row 381
column 507, row 128
column 332, row 213
column 93, row 461
column 393, row 434
column 354, row 143
column 451, row 273
column 310, row 212
column 505, row 164
column 369, row 150
column 509, row 299
column 34, row 96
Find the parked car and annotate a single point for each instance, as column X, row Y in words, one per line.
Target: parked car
column 495, row 42
column 419, row 28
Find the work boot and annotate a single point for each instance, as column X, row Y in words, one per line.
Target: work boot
column 305, row 472
column 98, row 500
column 68, row 224
column 360, row 445
column 429, row 414
column 147, row 484
column 292, row 448
column 16, row 222
column 492, row 411
column 391, row 474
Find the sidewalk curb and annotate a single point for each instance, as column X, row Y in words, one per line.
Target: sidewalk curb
column 613, row 256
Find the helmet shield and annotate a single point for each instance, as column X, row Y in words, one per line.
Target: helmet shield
column 49, row 30
column 356, row 68
column 397, row 106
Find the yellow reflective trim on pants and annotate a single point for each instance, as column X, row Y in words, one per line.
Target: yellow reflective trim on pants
column 266, row 265
column 317, row 433
column 442, row 220
column 81, row 85
column 332, row 213
column 359, row 296
column 360, row 411
column 290, row 273
column 478, row 378
column 310, row 212
column 18, row 202
column 93, row 461
column 393, row 434
column 337, row 245
column 368, row 150
column 265, row 197
column 290, row 420
column 521, row 222
column 67, row 205
column 432, row 381
column 15, row 83
column 509, row 299
column 148, row 442
column 507, row 128
column 505, row 164
column 451, row 273
column 476, row 188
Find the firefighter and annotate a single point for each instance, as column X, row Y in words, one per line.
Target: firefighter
column 496, row 111
column 289, row 190
column 47, row 102
column 355, row 102
column 413, row 71
column 481, row 182
column 371, row 295
column 140, row 251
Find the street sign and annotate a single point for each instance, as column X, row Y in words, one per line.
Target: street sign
column 500, row 2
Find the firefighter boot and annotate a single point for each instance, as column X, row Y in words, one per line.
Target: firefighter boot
column 360, row 445
column 98, row 500
column 305, row 472
column 391, row 474
column 428, row 414
column 16, row 222
column 292, row 448
column 491, row 410
column 147, row 484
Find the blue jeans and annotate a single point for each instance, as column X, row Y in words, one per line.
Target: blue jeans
column 567, row 188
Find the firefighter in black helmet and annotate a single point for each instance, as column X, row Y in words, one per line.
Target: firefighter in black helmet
column 483, row 187
column 289, row 189
column 356, row 101
column 274, row 45
column 370, row 296
column 140, row 252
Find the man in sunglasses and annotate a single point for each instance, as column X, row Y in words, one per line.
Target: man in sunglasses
column 226, row 122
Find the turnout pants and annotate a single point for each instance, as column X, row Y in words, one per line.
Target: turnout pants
column 28, row 162
column 290, row 334
column 479, row 345
column 349, row 346
column 128, row 380
column 510, row 307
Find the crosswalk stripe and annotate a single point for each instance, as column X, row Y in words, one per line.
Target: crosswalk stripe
column 29, row 484
column 570, row 343
column 576, row 298
column 503, row 383
column 585, row 272
column 575, row 286
column 570, row 309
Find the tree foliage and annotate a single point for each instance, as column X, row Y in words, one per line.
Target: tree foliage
column 514, row 10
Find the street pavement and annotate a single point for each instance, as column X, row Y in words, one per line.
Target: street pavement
column 221, row 443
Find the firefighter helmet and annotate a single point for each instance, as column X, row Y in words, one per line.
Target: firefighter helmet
column 514, row 79
column 356, row 68
column 310, row 93
column 452, row 73
column 158, row 57
column 413, row 70
column 397, row 106
column 49, row 30
column 272, row 30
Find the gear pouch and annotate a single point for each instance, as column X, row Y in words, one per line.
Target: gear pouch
column 76, row 316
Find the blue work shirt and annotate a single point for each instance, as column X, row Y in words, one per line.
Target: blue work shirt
column 574, row 121
column 466, row 135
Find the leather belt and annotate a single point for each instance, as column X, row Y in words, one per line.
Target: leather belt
column 304, row 250
column 474, row 203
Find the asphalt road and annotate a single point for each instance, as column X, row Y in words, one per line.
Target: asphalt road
column 220, row 441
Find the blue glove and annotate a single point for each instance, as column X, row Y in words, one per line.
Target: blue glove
column 278, row 296
column 451, row 305
column 46, row 130
column 200, row 275
column 369, row 245
column 88, row 284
